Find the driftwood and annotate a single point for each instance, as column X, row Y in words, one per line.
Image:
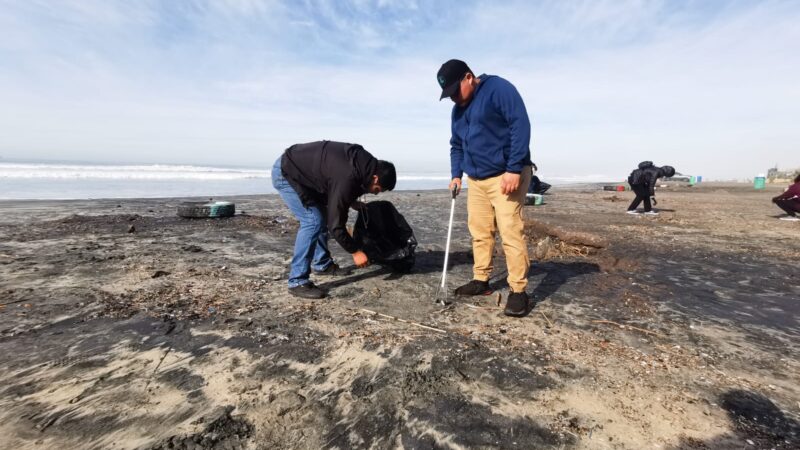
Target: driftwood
column 541, row 229
column 169, row 349
column 608, row 322
column 480, row 307
column 11, row 303
column 416, row 324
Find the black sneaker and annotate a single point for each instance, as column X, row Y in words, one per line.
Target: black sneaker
column 517, row 304
column 307, row 290
column 474, row 287
column 333, row 270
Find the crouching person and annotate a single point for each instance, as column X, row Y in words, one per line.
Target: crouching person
column 789, row 201
column 319, row 181
column 643, row 183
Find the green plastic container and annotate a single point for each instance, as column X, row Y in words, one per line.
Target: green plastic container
column 534, row 199
column 760, row 182
column 692, row 180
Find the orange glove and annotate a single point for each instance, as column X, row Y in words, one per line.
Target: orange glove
column 360, row 259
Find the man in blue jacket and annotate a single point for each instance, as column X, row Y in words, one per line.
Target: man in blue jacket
column 490, row 143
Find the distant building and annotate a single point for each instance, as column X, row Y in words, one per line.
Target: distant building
column 781, row 176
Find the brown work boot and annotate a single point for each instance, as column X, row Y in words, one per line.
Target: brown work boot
column 474, row 287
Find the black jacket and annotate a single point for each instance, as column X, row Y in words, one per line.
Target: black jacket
column 646, row 177
column 330, row 175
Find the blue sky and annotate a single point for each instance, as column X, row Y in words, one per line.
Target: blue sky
column 709, row 87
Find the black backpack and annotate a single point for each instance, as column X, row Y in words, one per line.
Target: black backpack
column 385, row 236
column 646, row 164
column 637, row 176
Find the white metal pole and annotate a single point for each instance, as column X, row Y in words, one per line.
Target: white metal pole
column 447, row 246
column 442, row 291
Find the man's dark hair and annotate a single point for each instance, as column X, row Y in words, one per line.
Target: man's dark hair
column 797, row 178
column 387, row 177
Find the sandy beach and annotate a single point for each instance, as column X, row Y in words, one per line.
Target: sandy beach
column 124, row 326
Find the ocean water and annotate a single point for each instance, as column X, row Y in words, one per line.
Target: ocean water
column 28, row 180
column 36, row 180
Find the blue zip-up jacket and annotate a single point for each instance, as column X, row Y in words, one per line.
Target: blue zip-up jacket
column 492, row 134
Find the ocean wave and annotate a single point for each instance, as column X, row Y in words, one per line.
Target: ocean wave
column 33, row 171
column 150, row 172
column 423, row 177
column 126, row 172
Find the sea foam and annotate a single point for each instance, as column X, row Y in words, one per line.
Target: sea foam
column 126, row 172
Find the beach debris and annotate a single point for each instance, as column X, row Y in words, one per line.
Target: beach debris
column 623, row 326
column 498, row 299
column 287, row 401
column 416, row 324
column 159, row 274
column 549, row 324
column 160, row 361
column 551, row 247
column 49, row 421
column 223, row 431
column 192, row 248
column 477, row 307
column 210, row 209
column 542, row 229
column 12, row 302
column 131, row 229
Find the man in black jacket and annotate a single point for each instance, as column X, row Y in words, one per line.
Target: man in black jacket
column 643, row 183
column 319, row 181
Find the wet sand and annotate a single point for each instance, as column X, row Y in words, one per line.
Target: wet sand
column 124, row 326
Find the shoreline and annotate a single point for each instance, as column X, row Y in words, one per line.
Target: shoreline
column 770, row 187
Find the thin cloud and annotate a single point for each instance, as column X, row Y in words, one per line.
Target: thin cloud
column 709, row 88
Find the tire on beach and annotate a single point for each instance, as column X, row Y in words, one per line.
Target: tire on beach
column 205, row 210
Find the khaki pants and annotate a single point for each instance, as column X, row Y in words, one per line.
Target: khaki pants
column 488, row 211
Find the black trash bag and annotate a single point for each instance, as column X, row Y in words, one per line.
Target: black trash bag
column 543, row 187
column 385, row 236
column 537, row 186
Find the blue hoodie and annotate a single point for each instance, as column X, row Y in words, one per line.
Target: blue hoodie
column 492, row 134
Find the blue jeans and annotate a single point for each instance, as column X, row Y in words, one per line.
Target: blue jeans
column 311, row 243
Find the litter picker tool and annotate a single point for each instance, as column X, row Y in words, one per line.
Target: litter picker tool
column 441, row 292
